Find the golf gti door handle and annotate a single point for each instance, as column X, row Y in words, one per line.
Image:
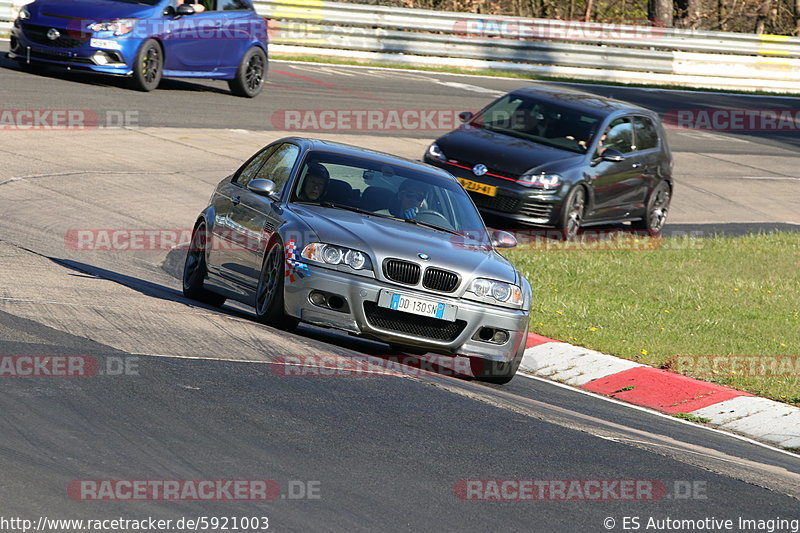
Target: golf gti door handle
column 236, row 200
column 636, row 164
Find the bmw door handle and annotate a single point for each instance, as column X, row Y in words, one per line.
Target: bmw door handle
column 236, row 200
column 637, row 164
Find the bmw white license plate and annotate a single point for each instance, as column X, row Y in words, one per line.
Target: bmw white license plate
column 417, row 306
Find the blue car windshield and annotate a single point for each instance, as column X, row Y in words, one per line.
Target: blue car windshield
column 540, row 121
column 392, row 191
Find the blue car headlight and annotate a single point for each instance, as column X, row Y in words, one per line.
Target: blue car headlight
column 336, row 255
column 119, row 27
column 23, row 13
column 493, row 291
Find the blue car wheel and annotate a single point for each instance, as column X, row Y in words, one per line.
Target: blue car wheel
column 250, row 75
column 148, row 66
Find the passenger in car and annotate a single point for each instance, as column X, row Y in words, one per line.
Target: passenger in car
column 198, row 8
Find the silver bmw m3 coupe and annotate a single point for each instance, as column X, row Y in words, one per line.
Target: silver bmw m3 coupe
column 365, row 242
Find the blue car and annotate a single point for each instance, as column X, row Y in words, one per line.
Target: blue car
column 146, row 40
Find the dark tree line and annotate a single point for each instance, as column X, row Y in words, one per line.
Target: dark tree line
column 780, row 17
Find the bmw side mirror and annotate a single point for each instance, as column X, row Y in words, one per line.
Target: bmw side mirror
column 185, row 9
column 610, row 154
column 465, row 116
column 262, row 187
column 503, row 239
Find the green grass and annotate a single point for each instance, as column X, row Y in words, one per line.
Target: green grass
column 692, row 418
column 663, row 301
column 506, row 74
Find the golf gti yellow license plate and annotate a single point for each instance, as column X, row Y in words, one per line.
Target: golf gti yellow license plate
column 481, row 188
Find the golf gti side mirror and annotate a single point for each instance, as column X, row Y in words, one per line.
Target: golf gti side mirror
column 465, row 116
column 613, row 155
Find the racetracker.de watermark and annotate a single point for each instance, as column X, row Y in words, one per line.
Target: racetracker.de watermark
column 365, row 119
column 570, row 490
column 191, row 490
column 558, row 30
column 168, row 29
column 734, row 119
column 354, row 366
column 588, row 240
column 66, row 119
column 67, row 366
column 738, row 365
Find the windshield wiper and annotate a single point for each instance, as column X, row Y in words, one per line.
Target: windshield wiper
column 349, row 208
column 431, row 226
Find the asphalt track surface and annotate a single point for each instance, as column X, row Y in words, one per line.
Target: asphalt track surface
column 208, row 399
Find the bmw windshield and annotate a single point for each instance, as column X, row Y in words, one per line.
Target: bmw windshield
column 384, row 190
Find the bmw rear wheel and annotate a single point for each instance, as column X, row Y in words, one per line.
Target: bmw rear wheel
column 195, row 270
column 250, row 75
column 148, row 66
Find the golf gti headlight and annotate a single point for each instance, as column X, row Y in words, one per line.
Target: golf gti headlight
column 336, row 255
column 119, row 27
column 499, row 291
column 23, row 13
column 542, row 180
column 434, row 152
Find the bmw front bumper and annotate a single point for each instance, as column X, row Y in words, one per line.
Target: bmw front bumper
column 361, row 315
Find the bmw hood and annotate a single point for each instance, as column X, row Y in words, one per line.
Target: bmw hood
column 507, row 154
column 90, row 10
column 383, row 238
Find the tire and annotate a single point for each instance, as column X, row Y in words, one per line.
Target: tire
column 657, row 209
column 250, row 75
column 195, row 270
column 572, row 212
column 148, row 66
column 269, row 292
column 496, row 372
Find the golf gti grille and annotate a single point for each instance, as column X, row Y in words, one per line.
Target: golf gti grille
column 440, row 280
column 418, row 326
column 536, row 210
column 404, row 272
column 504, row 204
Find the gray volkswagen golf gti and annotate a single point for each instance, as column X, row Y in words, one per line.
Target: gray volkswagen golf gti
column 375, row 245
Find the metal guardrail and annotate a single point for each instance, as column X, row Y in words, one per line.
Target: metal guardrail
column 621, row 52
column 613, row 52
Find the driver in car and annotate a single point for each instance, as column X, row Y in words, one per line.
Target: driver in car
column 315, row 183
column 198, row 8
column 408, row 200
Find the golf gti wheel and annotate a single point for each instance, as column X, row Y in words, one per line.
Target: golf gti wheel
column 250, row 75
column 657, row 209
column 148, row 66
column 496, row 372
column 269, row 293
column 572, row 213
column 194, row 270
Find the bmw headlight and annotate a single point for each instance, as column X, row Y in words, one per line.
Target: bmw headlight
column 336, row 255
column 434, row 152
column 24, row 14
column 542, row 180
column 119, row 27
column 499, row 291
